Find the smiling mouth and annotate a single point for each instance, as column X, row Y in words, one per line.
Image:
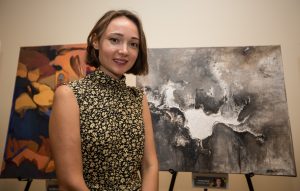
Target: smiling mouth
column 120, row 61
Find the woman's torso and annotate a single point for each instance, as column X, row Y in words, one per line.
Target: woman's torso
column 112, row 132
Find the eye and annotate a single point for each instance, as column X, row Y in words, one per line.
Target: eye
column 114, row 40
column 134, row 45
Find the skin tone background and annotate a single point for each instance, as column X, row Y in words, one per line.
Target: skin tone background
column 167, row 24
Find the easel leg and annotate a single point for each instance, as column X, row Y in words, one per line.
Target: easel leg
column 28, row 184
column 248, row 177
column 28, row 180
column 174, row 174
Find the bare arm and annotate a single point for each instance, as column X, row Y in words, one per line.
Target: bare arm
column 64, row 133
column 150, row 163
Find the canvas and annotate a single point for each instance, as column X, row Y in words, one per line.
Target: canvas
column 220, row 110
column 40, row 70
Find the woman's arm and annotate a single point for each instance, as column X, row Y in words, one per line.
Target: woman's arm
column 64, row 133
column 150, row 163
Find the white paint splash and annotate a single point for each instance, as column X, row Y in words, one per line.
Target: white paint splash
column 200, row 124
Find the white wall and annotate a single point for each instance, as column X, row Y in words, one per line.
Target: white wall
column 167, row 23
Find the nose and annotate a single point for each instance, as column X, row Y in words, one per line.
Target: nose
column 123, row 49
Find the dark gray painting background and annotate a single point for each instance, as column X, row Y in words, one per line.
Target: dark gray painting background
column 241, row 88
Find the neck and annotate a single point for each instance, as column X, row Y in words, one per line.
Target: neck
column 114, row 76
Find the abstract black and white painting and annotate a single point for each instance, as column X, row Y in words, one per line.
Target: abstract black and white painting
column 220, row 110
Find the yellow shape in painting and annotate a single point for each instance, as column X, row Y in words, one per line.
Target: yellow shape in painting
column 44, row 98
column 40, row 87
column 24, row 102
column 33, row 75
column 22, row 70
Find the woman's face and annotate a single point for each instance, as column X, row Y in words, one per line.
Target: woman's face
column 118, row 47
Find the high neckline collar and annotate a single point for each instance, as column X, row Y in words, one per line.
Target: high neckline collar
column 107, row 80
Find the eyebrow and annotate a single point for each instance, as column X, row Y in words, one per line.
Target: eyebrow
column 120, row 34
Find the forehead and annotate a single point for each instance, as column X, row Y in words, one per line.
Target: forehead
column 122, row 25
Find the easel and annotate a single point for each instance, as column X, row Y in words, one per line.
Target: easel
column 28, row 184
column 172, row 183
column 174, row 174
column 248, row 178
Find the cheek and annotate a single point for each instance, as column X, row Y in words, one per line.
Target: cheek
column 105, row 52
column 135, row 54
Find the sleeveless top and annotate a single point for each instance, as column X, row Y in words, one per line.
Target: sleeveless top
column 112, row 131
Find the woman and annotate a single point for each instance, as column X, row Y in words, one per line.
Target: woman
column 100, row 129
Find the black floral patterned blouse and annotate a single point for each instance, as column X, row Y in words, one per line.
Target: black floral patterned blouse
column 112, row 131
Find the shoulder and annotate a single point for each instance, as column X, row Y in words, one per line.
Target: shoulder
column 64, row 99
column 63, row 91
column 64, row 94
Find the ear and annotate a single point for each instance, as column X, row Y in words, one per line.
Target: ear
column 95, row 42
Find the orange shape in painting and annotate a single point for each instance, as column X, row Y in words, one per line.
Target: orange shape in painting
column 33, row 75
column 44, row 147
column 24, row 102
column 27, row 154
column 50, row 167
column 14, row 146
column 22, row 70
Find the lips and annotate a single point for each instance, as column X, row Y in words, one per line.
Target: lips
column 120, row 61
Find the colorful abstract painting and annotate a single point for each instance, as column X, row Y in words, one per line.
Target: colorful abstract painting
column 220, row 110
column 40, row 70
